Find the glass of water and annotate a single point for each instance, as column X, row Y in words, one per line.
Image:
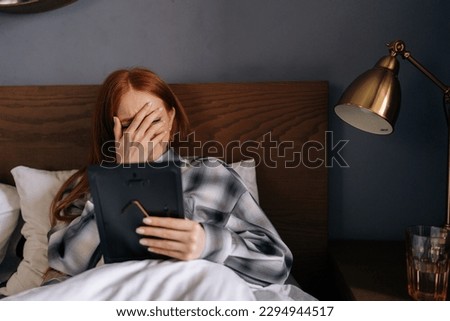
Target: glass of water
column 427, row 262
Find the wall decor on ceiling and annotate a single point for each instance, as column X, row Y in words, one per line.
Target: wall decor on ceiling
column 31, row 6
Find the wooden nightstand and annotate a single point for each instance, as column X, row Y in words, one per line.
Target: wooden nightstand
column 369, row 270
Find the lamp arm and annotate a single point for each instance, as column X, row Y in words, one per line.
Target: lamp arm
column 445, row 89
column 398, row 48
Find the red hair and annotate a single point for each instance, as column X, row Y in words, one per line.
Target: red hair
column 102, row 146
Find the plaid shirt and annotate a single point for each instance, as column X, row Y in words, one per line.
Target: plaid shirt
column 238, row 233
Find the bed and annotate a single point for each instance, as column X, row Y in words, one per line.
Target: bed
column 281, row 126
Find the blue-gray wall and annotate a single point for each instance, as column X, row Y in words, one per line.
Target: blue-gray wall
column 391, row 181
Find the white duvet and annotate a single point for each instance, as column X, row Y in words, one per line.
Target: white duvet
column 167, row 280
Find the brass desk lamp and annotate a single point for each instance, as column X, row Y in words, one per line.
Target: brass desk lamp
column 372, row 100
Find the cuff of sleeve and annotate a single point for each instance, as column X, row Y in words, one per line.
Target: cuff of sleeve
column 218, row 243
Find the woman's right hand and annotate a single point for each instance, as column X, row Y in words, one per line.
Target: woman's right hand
column 136, row 141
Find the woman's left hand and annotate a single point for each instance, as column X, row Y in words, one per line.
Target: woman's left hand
column 178, row 238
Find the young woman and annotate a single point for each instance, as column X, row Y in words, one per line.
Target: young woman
column 223, row 222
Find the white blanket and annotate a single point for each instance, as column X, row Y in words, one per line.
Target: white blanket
column 167, row 280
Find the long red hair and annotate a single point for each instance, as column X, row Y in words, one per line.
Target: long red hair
column 102, row 148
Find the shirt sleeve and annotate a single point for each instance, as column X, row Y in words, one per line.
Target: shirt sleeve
column 249, row 244
column 238, row 232
column 72, row 246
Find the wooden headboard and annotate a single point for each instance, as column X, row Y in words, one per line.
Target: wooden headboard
column 280, row 124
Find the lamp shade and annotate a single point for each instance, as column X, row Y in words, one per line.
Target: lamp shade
column 31, row 6
column 372, row 100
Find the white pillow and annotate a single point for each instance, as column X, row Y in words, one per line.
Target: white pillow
column 36, row 189
column 9, row 215
column 246, row 170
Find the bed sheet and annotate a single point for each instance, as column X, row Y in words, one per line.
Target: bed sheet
column 161, row 280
